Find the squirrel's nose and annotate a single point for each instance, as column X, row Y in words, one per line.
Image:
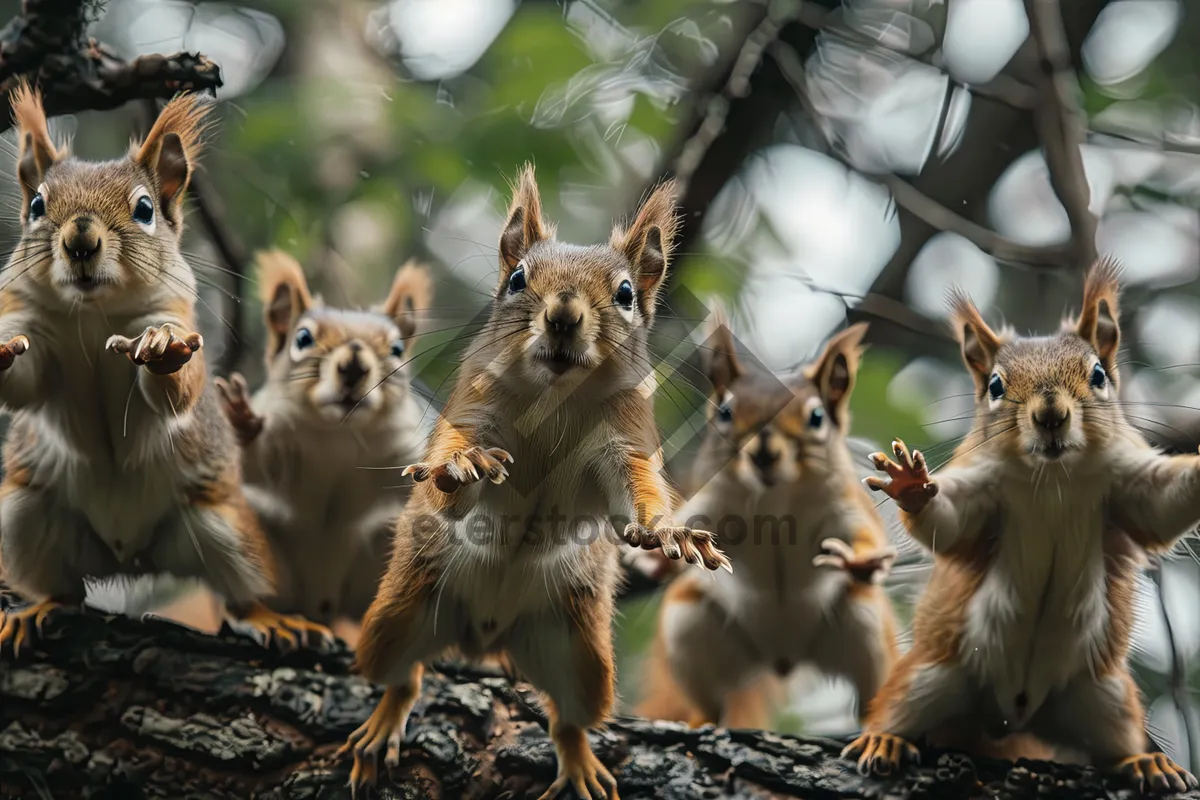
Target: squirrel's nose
column 352, row 370
column 763, row 457
column 564, row 318
column 1051, row 417
column 81, row 240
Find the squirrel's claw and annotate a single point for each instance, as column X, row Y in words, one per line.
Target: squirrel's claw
column 9, row 351
column 235, row 402
column 1155, row 773
column 908, row 481
column 689, row 544
column 21, row 625
column 872, row 567
column 881, row 754
column 161, row 350
column 463, row 468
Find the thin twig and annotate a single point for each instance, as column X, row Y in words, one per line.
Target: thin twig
column 1060, row 125
column 692, row 152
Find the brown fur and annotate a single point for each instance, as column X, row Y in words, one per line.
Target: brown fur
column 92, row 282
column 1038, row 377
column 754, row 414
column 506, row 398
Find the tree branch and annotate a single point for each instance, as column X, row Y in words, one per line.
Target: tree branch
column 45, row 44
column 151, row 709
column 1060, row 125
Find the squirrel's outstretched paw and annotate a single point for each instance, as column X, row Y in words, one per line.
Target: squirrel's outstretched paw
column 21, row 625
column 463, row 468
column 693, row 546
column 871, row 567
column 1156, row 774
column 9, row 351
column 908, row 481
column 882, row 754
column 162, row 350
column 235, row 401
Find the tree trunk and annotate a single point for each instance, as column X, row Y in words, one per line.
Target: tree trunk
column 115, row 708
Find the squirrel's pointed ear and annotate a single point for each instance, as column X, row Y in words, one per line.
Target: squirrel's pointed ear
column 525, row 226
column 1098, row 321
column 285, row 296
column 835, row 370
column 412, row 291
column 979, row 342
column 720, row 358
column 172, row 147
column 649, row 241
column 37, row 150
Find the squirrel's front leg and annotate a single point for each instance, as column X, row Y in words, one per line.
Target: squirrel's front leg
column 1156, row 498
column 652, row 527
column 456, row 460
column 20, row 374
column 172, row 377
column 942, row 513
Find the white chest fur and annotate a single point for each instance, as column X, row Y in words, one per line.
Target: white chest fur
column 100, row 446
column 776, row 595
column 548, row 529
column 1040, row 615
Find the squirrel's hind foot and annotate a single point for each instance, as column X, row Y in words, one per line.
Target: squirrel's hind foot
column 882, row 754
column 384, row 728
column 1156, row 774
column 288, row 632
column 579, row 769
column 24, row 624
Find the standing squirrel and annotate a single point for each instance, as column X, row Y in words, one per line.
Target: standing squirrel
column 118, row 461
column 780, row 485
column 525, row 565
column 1039, row 525
column 323, row 441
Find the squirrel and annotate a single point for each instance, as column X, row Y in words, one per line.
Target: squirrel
column 118, row 462
column 1038, row 525
column 324, row 439
column 553, row 408
column 781, row 487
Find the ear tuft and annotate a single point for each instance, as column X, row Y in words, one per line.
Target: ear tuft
column 37, row 151
column 979, row 342
column 525, row 226
column 172, row 148
column 284, row 294
column 1099, row 321
column 412, row 291
column 720, row 358
column 835, row 371
column 649, row 241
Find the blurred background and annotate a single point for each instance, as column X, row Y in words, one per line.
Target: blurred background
column 840, row 162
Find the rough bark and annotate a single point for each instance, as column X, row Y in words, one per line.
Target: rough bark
column 113, row 707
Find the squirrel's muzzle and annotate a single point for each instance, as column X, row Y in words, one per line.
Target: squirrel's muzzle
column 81, row 239
column 564, row 315
column 351, row 369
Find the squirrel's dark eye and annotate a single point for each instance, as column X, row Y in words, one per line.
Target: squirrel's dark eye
column 996, row 387
column 304, row 339
column 143, row 210
column 397, row 348
column 37, row 207
column 1099, row 377
column 816, row 418
column 516, row 281
column 624, row 295
column 725, row 412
